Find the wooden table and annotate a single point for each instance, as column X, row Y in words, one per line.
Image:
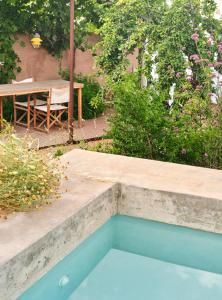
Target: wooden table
column 39, row 87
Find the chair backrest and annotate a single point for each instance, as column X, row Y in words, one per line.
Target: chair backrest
column 23, row 81
column 59, row 95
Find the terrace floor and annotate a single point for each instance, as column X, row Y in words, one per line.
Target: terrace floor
column 91, row 129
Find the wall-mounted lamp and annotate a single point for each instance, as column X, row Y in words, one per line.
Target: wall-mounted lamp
column 36, row 41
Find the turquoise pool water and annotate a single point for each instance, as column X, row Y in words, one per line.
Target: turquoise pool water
column 130, row 259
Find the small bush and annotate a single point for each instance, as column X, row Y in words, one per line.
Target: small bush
column 104, row 146
column 93, row 104
column 8, row 109
column 58, row 152
column 28, row 179
column 144, row 126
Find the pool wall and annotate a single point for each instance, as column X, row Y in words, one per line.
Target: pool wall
column 98, row 187
column 173, row 208
column 37, row 242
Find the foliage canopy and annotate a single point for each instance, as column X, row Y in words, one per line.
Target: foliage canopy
column 51, row 20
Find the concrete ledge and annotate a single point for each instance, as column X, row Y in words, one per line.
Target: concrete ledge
column 32, row 243
column 171, row 193
column 150, row 174
column 99, row 187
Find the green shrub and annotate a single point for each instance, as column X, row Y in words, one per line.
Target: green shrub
column 143, row 126
column 8, row 109
column 137, row 120
column 58, row 152
column 93, row 104
column 28, row 178
column 104, row 146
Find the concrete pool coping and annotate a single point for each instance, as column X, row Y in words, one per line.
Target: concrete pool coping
column 154, row 175
column 98, row 187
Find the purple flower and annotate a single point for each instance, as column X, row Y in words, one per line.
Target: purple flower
column 176, row 130
column 210, row 41
column 199, row 61
column 183, row 151
column 210, row 65
column 194, row 57
column 178, row 74
column 190, row 78
column 199, row 87
column 219, row 48
column 217, row 64
column 211, row 94
column 195, row 37
column 212, row 75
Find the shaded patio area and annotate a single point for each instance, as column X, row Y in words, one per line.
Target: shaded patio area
column 91, row 129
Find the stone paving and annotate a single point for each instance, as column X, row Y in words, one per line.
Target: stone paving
column 91, row 129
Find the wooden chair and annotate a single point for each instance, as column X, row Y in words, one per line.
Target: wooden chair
column 27, row 107
column 52, row 113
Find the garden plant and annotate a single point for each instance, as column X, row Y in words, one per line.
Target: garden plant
column 170, row 108
column 93, row 103
column 28, row 178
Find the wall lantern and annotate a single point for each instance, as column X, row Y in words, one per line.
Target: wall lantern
column 36, row 41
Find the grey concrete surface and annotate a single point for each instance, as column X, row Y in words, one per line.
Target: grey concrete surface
column 154, row 175
column 32, row 243
column 98, row 187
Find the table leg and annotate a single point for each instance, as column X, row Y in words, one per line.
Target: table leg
column 1, row 112
column 28, row 112
column 80, row 108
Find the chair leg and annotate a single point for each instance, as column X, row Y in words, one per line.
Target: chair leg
column 25, row 118
column 34, row 117
column 79, row 108
column 28, row 113
column 48, row 121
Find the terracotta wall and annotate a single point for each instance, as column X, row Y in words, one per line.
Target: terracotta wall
column 40, row 65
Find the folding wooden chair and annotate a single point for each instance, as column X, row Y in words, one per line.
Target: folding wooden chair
column 52, row 113
column 26, row 108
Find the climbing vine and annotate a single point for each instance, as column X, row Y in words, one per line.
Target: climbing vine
column 126, row 27
column 177, row 113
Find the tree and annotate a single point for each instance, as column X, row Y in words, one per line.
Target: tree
column 172, row 40
column 126, row 26
column 49, row 18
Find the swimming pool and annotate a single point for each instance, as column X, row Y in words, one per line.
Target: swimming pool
column 130, row 258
